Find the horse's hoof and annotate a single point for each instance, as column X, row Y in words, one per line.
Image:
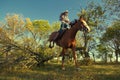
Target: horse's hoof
column 78, row 69
column 50, row 46
column 63, row 68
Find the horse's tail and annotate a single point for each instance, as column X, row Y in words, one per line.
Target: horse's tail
column 51, row 38
column 52, row 35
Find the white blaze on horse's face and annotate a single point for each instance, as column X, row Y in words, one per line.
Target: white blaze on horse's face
column 86, row 25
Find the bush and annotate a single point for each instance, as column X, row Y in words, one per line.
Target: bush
column 86, row 61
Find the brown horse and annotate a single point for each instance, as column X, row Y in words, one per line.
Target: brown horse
column 68, row 39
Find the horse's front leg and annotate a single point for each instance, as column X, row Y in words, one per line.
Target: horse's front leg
column 75, row 57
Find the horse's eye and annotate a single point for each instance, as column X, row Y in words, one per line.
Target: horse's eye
column 81, row 22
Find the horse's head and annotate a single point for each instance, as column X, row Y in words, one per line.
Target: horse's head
column 83, row 26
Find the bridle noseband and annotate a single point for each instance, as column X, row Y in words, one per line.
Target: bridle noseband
column 84, row 29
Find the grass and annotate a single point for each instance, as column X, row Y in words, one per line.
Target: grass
column 54, row 72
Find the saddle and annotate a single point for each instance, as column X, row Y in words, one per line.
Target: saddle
column 59, row 35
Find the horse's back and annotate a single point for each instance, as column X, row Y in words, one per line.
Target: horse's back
column 52, row 35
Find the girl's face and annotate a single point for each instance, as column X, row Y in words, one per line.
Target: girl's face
column 66, row 13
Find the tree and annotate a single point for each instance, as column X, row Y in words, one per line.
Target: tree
column 111, row 36
column 25, row 38
column 103, row 52
column 55, row 26
column 95, row 16
column 110, row 56
column 113, row 8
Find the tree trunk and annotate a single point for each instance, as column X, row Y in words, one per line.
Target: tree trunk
column 41, row 62
column 85, row 51
column 105, row 57
column 94, row 57
column 110, row 60
column 116, row 54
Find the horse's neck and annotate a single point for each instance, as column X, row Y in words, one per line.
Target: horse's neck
column 73, row 31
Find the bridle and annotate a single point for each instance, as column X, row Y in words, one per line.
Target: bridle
column 83, row 28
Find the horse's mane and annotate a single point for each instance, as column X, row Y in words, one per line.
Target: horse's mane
column 73, row 22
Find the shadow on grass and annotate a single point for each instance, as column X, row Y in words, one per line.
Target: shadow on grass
column 54, row 72
column 107, row 76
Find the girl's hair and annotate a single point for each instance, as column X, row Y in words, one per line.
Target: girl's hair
column 60, row 18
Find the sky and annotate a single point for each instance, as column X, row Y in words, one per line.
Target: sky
column 42, row 9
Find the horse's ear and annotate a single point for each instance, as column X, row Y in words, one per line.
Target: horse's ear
column 81, row 17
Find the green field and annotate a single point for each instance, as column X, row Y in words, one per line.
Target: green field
column 54, row 72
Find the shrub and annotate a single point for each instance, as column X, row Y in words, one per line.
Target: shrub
column 86, row 61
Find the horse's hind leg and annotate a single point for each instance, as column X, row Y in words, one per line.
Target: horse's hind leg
column 51, row 46
column 63, row 57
